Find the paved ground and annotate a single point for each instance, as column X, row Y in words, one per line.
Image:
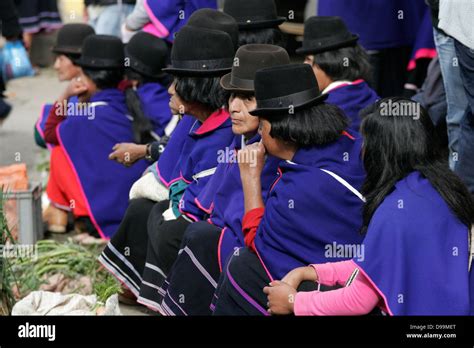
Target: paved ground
column 17, row 143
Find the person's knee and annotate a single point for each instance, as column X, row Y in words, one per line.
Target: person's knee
column 198, row 232
column 243, row 261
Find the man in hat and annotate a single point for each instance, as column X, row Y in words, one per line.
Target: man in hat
column 340, row 64
column 258, row 21
column 207, row 244
column 315, row 199
column 82, row 179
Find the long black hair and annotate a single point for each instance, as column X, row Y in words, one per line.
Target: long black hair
column 104, row 78
column 317, row 125
column 141, row 125
column 204, row 90
column 398, row 143
column 347, row 63
column 270, row 36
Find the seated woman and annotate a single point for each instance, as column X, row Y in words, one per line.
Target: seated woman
column 82, row 179
column 207, row 244
column 258, row 21
column 417, row 225
column 196, row 92
column 340, row 64
column 315, row 206
column 146, row 92
column 68, row 49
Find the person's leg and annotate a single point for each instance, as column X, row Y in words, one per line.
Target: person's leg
column 165, row 238
column 125, row 254
column 455, row 96
column 465, row 165
column 111, row 19
column 240, row 289
column 193, row 278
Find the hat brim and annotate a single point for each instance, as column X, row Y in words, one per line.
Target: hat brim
column 262, row 24
column 264, row 112
column 66, row 50
column 190, row 72
column 83, row 64
column 314, row 50
column 225, row 83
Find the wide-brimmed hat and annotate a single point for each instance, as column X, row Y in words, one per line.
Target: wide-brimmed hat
column 323, row 33
column 217, row 20
column 71, row 38
column 283, row 89
column 201, row 52
column 253, row 14
column 102, row 52
column 147, row 54
column 249, row 59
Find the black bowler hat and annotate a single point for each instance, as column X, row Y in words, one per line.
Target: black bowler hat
column 147, row 54
column 201, row 52
column 249, row 59
column 323, row 33
column 212, row 19
column 282, row 89
column 253, row 14
column 71, row 38
column 102, row 52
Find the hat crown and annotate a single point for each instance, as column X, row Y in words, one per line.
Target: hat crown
column 253, row 57
column 199, row 44
column 71, row 37
column 212, row 19
column 253, row 12
column 324, row 27
column 102, row 52
column 283, row 81
column 146, row 50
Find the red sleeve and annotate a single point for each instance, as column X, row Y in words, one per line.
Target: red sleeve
column 250, row 224
column 51, row 124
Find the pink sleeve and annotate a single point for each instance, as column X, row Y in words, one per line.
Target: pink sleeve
column 359, row 298
column 333, row 273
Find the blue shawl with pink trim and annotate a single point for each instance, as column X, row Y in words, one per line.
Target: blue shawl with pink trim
column 424, row 46
column 352, row 97
column 87, row 142
column 223, row 198
column 378, row 23
column 314, row 208
column 169, row 16
column 416, row 252
column 155, row 105
column 212, row 136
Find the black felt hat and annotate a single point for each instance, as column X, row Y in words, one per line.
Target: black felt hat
column 146, row 54
column 249, row 59
column 102, row 52
column 253, row 14
column 201, row 52
column 323, row 33
column 213, row 19
column 71, row 38
column 283, row 89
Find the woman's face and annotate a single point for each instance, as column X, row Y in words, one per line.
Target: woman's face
column 242, row 122
column 177, row 105
column 65, row 68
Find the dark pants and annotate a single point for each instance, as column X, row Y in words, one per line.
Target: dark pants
column 465, row 165
column 240, row 289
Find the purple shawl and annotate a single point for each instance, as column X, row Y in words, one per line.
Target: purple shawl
column 155, row 105
column 416, row 252
column 314, row 205
column 87, row 143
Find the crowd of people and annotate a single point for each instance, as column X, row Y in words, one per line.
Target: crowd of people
column 232, row 177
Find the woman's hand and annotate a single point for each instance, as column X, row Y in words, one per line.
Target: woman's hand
column 127, row 153
column 251, row 160
column 75, row 87
column 281, row 298
column 295, row 277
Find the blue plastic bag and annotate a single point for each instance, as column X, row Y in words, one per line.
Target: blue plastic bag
column 15, row 62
